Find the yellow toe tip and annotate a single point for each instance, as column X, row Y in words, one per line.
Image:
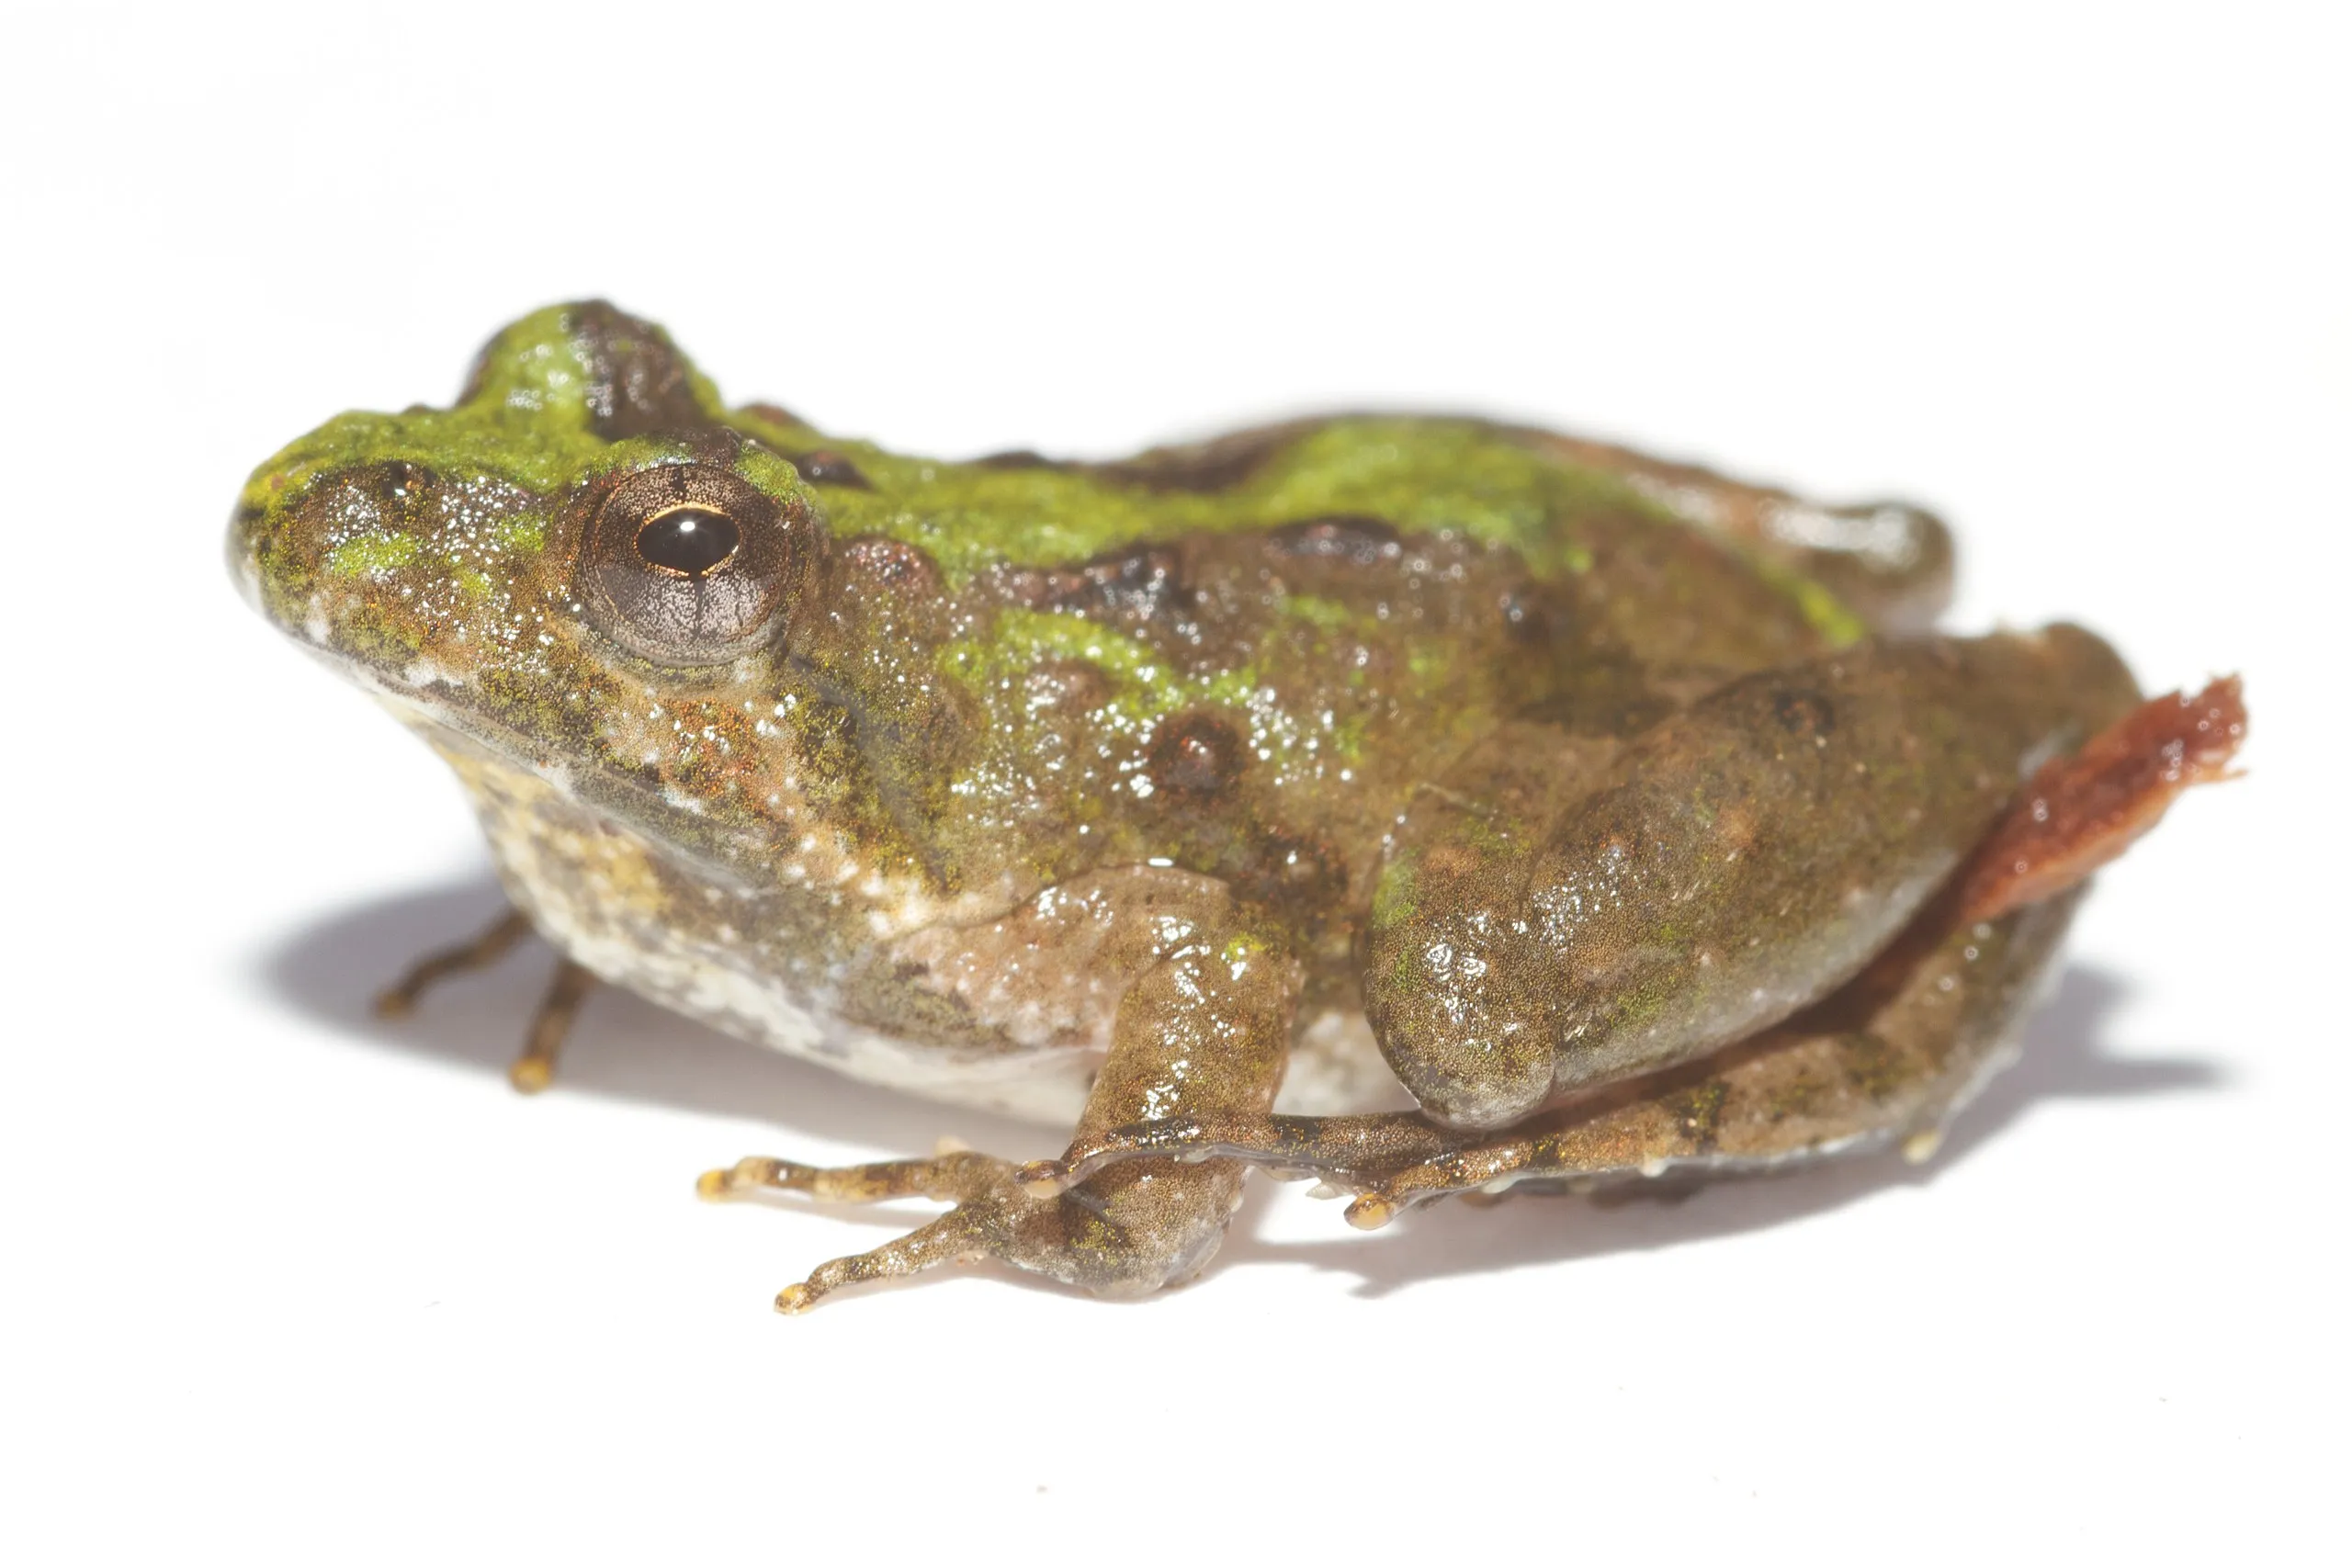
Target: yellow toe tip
column 711, row 1184
column 529, row 1075
column 1041, row 1178
column 793, row 1300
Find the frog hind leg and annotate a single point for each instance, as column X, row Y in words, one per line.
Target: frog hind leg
column 1889, row 1064
column 1203, row 1031
column 1888, row 1058
column 1734, row 862
column 534, row 1067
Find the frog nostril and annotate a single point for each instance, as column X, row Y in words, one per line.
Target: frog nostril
column 401, row 480
column 688, row 540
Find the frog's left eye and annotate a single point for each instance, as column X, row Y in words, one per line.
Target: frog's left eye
column 690, row 564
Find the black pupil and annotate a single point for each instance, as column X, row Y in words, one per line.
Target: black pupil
column 691, row 539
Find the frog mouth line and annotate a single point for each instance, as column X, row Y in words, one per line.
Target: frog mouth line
column 449, row 727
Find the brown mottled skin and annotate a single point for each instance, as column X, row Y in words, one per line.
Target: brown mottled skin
column 1622, row 801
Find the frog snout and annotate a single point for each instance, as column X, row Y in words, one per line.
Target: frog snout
column 353, row 539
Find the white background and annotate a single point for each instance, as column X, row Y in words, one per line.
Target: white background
column 288, row 1284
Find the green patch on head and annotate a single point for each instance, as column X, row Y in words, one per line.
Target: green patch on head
column 528, row 417
column 536, row 370
column 459, row 443
column 525, row 535
column 548, row 369
column 375, row 636
column 371, row 553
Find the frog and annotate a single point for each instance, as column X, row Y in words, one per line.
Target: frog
column 1427, row 806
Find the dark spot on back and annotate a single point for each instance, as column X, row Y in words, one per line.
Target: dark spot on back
column 1195, row 754
column 1022, row 458
column 892, row 562
column 826, row 467
column 1532, row 613
column 1601, row 697
column 1293, row 870
column 1071, row 684
column 1141, row 582
column 1205, row 467
column 1804, row 714
column 1349, row 536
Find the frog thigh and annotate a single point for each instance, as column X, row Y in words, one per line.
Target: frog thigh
column 1735, row 862
column 1889, row 1060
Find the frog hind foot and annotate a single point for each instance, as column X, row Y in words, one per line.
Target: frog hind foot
column 1148, row 1224
column 533, row 1066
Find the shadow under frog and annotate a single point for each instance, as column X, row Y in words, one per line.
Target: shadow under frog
column 626, row 1048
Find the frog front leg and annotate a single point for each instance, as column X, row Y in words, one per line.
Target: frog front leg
column 534, row 1067
column 1201, row 1031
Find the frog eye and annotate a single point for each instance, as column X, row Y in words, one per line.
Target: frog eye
column 693, row 541
column 690, row 564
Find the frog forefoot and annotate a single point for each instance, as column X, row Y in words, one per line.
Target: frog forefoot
column 569, row 986
column 1147, row 1225
column 956, row 1174
column 566, row 989
column 481, row 951
column 534, row 1069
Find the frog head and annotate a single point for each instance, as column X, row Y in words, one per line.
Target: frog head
column 583, row 570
